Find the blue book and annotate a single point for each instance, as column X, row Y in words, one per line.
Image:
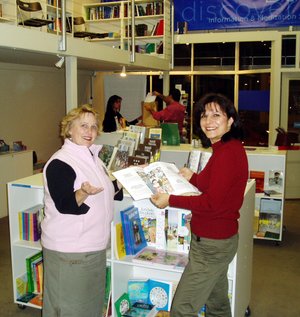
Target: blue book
column 125, row 230
column 138, row 290
column 160, row 294
column 134, row 230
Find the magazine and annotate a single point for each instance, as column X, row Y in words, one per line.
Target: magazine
column 158, row 177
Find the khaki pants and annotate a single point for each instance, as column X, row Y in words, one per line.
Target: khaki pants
column 204, row 280
column 74, row 283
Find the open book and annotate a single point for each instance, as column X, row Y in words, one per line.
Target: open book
column 158, row 177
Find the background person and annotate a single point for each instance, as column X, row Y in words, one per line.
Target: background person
column 173, row 113
column 215, row 213
column 79, row 203
column 113, row 120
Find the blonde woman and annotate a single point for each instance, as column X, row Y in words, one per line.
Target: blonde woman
column 79, row 200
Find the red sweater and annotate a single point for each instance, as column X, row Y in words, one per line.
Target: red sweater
column 173, row 113
column 222, row 183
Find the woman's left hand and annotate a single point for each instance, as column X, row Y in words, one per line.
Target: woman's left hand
column 160, row 200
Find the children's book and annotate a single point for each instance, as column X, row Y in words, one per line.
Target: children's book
column 141, row 310
column 157, row 177
column 178, row 229
column 155, row 133
column 160, row 294
column 139, row 129
column 120, row 250
column 122, row 305
column 132, row 227
column 138, row 290
column 137, row 160
column 161, row 258
column 105, row 153
column 153, row 223
column 30, row 274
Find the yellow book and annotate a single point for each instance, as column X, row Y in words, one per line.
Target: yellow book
column 20, row 216
column 120, row 251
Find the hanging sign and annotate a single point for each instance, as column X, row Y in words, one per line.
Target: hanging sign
column 236, row 14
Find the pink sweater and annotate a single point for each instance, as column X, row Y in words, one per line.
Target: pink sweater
column 80, row 232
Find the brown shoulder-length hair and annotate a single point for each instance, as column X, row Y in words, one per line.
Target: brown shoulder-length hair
column 236, row 131
column 74, row 114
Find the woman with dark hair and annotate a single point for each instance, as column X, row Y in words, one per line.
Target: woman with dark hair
column 113, row 120
column 215, row 213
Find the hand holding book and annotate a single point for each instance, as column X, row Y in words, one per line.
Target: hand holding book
column 160, row 200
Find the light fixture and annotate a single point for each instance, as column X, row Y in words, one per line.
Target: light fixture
column 123, row 72
column 60, row 63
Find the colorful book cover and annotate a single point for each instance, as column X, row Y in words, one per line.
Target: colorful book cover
column 138, row 290
column 134, row 227
column 122, row 305
column 126, row 236
column 178, row 229
column 21, row 285
column 161, row 258
column 153, row 223
column 120, row 250
column 105, row 153
column 160, row 294
column 29, row 261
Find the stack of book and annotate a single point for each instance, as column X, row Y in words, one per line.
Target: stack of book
column 29, row 223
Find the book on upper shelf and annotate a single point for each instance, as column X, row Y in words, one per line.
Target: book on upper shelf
column 122, row 304
column 161, row 258
column 155, row 133
column 29, row 223
column 275, row 181
column 153, row 223
column 133, row 232
column 158, row 177
column 119, row 248
column 141, row 310
column 139, row 129
column 105, row 153
column 259, row 177
column 178, row 229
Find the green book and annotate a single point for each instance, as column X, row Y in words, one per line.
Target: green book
column 122, row 305
column 29, row 260
column 170, row 134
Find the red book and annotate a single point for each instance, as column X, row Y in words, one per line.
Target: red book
column 160, row 28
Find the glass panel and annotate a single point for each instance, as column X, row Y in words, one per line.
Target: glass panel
column 223, row 84
column 294, row 108
column 255, row 55
column 253, row 108
column 182, row 56
column 217, row 55
column 288, row 53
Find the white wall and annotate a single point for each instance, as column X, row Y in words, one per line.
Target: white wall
column 32, row 104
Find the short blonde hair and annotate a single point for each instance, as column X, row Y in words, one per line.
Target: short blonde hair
column 74, row 114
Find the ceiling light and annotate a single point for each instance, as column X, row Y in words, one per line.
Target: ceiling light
column 123, row 72
column 60, row 63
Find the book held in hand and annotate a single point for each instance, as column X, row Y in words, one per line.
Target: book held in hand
column 157, row 177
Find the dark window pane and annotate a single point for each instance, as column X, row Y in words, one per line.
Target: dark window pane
column 255, row 55
column 182, row 55
column 214, row 54
column 294, row 108
column 253, row 107
column 288, row 53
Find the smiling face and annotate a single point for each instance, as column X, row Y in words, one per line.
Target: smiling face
column 214, row 122
column 84, row 129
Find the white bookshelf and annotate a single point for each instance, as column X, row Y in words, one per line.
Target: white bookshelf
column 22, row 194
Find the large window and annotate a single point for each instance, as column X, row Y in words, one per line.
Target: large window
column 253, row 107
